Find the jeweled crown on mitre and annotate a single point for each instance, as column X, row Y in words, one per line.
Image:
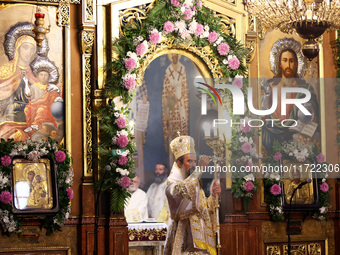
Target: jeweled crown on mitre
column 182, row 145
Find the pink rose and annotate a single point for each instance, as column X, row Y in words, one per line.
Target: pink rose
column 212, row 37
column 275, row 189
column 246, row 147
column 245, row 128
column 5, row 197
column 199, row 4
column 130, row 83
column 154, row 38
column 223, row 49
column 122, row 160
column 194, row 8
column 130, row 63
column 248, row 186
column 168, row 27
column 320, row 158
column 140, row 49
column 277, row 156
column 234, row 63
column 121, row 123
column 60, row 156
column 125, row 182
column 324, row 187
column 188, row 14
column 122, row 141
column 175, row 3
column 238, row 82
column 199, row 29
column 6, row 160
column 70, row 193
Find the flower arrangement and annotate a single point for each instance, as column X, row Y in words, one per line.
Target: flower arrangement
column 183, row 22
column 34, row 150
column 243, row 156
column 118, row 152
column 300, row 152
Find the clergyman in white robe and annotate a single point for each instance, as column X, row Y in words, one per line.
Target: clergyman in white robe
column 136, row 209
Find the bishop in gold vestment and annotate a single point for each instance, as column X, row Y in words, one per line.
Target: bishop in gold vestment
column 192, row 220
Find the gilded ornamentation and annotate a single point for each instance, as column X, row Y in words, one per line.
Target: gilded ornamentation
column 251, row 47
column 63, row 14
column 87, row 40
column 228, row 24
column 273, row 250
column 133, row 15
column 314, row 249
column 251, row 24
column 149, row 234
column 261, row 30
column 89, row 10
column 298, row 249
column 164, row 47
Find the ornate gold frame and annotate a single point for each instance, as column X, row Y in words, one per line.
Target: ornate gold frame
column 63, row 21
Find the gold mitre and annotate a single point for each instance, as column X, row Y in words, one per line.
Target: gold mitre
column 182, row 145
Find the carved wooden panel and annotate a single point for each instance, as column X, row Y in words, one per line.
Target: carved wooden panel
column 297, row 248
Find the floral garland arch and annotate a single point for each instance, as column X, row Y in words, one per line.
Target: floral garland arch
column 33, row 150
column 302, row 153
column 182, row 23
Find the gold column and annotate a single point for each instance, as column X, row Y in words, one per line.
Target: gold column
column 87, row 36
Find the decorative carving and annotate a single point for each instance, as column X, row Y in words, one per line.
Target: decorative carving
column 228, row 24
column 273, row 250
column 89, row 10
column 261, row 30
column 133, row 16
column 63, row 14
column 298, row 249
column 157, row 50
column 251, row 49
column 87, row 40
column 251, row 24
column 314, row 249
column 147, row 234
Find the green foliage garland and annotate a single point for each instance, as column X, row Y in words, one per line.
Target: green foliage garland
column 185, row 22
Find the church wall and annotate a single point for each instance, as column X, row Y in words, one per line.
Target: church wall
column 32, row 238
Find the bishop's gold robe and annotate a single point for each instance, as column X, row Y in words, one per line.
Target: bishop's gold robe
column 192, row 216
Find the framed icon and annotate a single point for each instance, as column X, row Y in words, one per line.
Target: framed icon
column 34, row 186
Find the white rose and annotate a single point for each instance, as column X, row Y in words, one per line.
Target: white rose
column 225, row 61
column 249, row 177
column 205, row 34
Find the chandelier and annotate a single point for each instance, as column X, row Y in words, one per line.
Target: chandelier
column 309, row 18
